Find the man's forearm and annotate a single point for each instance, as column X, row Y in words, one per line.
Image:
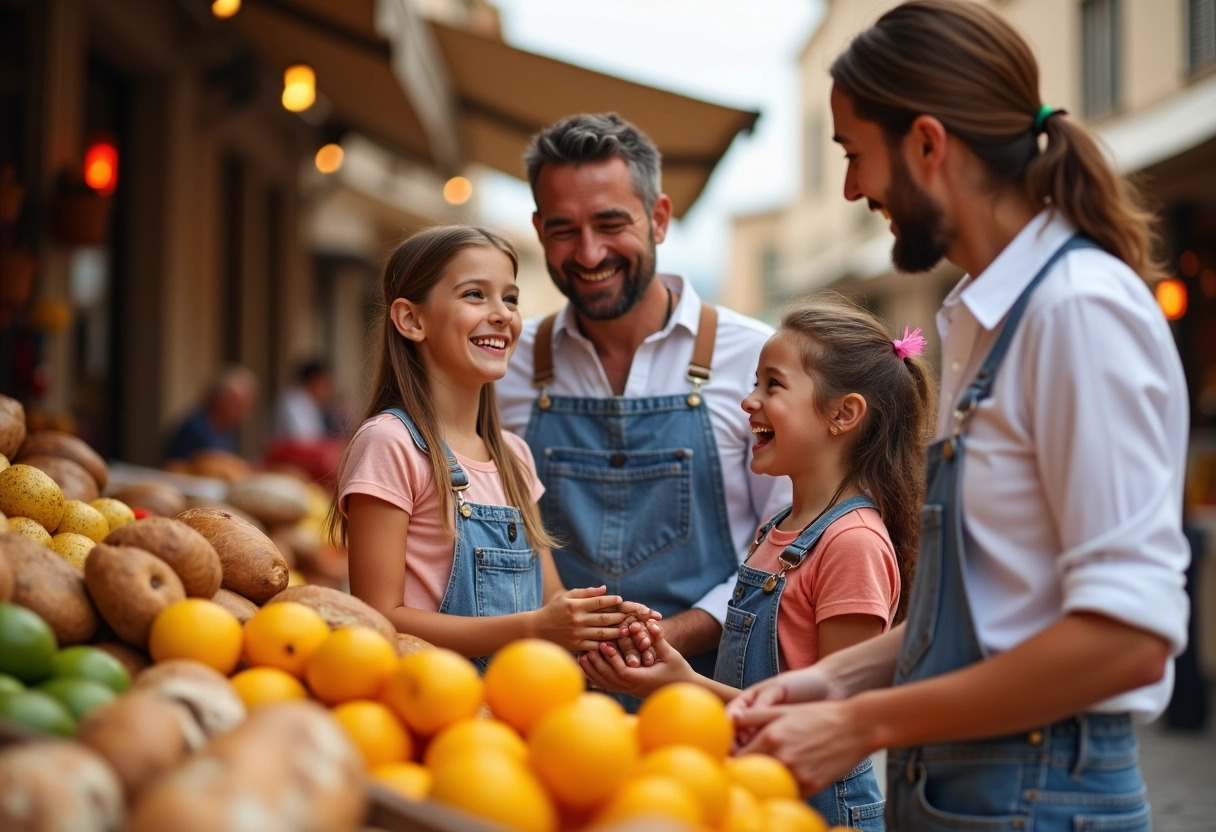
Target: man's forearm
column 692, row 632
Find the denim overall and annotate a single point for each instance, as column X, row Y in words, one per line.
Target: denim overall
column 855, row 801
column 633, row 489
column 494, row 570
column 1080, row 773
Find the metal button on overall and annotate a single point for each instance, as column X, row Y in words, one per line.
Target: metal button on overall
column 617, row 460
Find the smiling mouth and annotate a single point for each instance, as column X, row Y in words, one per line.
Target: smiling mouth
column 490, row 343
column 763, row 435
column 597, row 276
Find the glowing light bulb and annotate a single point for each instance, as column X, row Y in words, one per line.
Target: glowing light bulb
column 299, row 87
column 457, row 190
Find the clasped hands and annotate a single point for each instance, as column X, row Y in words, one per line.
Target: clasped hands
column 582, row 619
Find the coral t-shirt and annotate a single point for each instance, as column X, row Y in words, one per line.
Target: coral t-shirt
column 384, row 462
column 850, row 570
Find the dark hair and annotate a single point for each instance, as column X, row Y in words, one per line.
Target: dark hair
column 593, row 137
column 413, row 269
column 963, row 64
column 313, row 368
column 847, row 350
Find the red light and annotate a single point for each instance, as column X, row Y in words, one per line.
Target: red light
column 101, row 167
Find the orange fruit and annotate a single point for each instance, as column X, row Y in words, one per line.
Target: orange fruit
column 495, row 787
column 475, row 735
column 198, row 629
column 763, row 776
column 697, row 770
column 742, row 811
column 582, row 751
column 653, row 797
column 433, row 688
column 258, row 686
column 684, row 713
column 375, row 729
column 284, row 635
column 528, row 678
column 410, row 780
column 351, row 663
column 784, row 814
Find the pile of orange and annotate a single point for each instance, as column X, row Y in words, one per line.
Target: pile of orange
column 527, row 748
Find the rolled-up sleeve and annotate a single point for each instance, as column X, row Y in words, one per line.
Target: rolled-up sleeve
column 1110, row 434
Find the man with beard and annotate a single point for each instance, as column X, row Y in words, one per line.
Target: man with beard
column 630, row 396
column 1048, row 596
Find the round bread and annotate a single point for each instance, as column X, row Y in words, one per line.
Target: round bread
column 50, row 586
column 238, row 605
column 190, row 554
column 58, row 443
column 275, row 499
column 203, row 691
column 58, row 785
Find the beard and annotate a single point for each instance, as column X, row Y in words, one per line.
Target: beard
column 923, row 239
column 606, row 304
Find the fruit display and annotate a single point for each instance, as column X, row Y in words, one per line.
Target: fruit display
column 162, row 672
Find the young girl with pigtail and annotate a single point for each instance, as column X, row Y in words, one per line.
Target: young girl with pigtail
column 845, row 412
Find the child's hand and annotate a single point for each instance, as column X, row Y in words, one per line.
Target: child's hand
column 580, row 619
column 634, row 641
column 607, row 668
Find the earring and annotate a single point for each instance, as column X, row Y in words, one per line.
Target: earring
column 834, row 430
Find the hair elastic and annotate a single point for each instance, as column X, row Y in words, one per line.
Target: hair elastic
column 1045, row 112
column 913, row 343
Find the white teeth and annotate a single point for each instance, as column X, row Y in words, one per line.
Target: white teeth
column 596, row 277
column 494, row 343
column 761, row 431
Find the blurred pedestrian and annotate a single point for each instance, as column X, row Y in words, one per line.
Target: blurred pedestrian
column 305, row 411
column 1049, row 596
column 214, row 424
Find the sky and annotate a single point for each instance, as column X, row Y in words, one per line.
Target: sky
column 740, row 53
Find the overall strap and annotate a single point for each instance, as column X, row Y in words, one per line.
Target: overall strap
column 460, row 480
column 795, row 553
column 767, row 527
column 699, row 368
column 981, row 386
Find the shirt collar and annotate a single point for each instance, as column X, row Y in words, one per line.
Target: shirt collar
column 687, row 312
column 990, row 295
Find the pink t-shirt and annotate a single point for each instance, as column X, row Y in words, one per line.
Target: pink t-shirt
column 852, row 569
column 384, row 462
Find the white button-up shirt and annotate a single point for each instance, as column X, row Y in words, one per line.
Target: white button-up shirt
column 1072, row 485
column 660, row 368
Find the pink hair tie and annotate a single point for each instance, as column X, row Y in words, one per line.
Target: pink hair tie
column 913, row 343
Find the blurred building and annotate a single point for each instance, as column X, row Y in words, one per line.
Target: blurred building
column 163, row 213
column 1142, row 73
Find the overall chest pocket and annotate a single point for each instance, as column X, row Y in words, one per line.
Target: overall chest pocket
column 506, row 581
column 617, row 509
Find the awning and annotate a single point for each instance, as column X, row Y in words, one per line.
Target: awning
column 477, row 99
column 506, row 94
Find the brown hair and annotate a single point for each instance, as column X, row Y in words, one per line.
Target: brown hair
column 847, row 350
column 963, row 64
column 412, row 271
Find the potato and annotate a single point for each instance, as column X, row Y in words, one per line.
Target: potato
column 252, row 566
column 51, row 587
column 339, row 609
column 72, row 478
column 12, row 426
column 26, row 491
column 58, row 443
column 130, row 586
column 155, row 497
column 190, row 554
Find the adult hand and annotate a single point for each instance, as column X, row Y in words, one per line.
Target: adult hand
column 607, row 669
column 818, row 741
column 580, row 619
column 752, row 709
column 634, row 642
